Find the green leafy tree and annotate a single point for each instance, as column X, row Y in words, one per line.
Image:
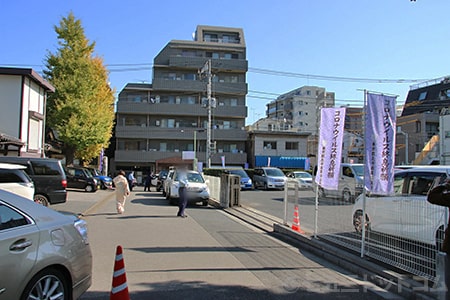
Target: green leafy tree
column 82, row 108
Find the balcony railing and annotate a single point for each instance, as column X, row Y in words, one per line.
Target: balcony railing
column 199, row 62
column 234, row 88
column 172, row 109
column 153, row 132
column 134, row 156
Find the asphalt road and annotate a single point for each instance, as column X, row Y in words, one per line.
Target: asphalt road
column 335, row 216
column 207, row 255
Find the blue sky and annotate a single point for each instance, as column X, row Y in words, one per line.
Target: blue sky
column 383, row 39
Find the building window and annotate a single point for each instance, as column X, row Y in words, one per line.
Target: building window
column 422, row 96
column 214, row 55
column 308, row 93
column 447, row 134
column 418, row 126
column 418, row 148
column 190, row 76
column 270, row 145
column 445, row 94
column 234, row 56
column 210, row 37
column 291, row 146
column 227, row 55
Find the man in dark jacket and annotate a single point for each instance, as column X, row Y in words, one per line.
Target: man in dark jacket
column 440, row 195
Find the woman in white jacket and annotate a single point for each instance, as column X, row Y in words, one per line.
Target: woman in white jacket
column 122, row 191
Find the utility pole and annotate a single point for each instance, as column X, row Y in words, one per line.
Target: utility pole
column 206, row 71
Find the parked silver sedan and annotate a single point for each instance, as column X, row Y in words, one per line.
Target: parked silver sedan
column 43, row 254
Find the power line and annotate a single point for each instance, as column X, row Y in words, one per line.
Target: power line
column 333, row 78
column 146, row 66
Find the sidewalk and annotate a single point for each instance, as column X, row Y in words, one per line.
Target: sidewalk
column 207, row 255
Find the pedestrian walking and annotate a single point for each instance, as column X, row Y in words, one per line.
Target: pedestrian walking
column 131, row 180
column 182, row 188
column 440, row 195
column 122, row 191
column 148, row 182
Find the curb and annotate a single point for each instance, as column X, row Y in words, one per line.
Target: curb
column 98, row 204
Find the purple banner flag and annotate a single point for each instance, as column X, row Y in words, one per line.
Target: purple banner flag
column 380, row 144
column 100, row 163
column 330, row 147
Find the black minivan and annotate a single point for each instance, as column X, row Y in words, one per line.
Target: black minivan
column 48, row 176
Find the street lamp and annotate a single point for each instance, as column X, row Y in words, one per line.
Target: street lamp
column 399, row 130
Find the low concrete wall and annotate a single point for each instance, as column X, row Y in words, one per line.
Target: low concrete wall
column 214, row 187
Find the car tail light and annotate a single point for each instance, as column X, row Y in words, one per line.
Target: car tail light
column 64, row 183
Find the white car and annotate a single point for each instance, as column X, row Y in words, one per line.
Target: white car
column 304, row 179
column 14, row 179
column 406, row 213
column 197, row 190
column 168, row 182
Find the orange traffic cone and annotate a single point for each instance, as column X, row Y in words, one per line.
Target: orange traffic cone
column 296, row 221
column 119, row 289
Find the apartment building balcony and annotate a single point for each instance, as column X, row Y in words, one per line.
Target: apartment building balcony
column 135, row 156
column 234, row 88
column 239, row 65
column 153, row 132
column 127, row 107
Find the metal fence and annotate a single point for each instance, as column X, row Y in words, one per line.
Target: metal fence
column 405, row 232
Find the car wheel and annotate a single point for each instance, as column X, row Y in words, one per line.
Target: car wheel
column 205, row 203
column 103, row 186
column 47, row 284
column 168, row 196
column 265, row 186
column 41, row 199
column 358, row 222
column 89, row 188
column 346, row 195
column 173, row 201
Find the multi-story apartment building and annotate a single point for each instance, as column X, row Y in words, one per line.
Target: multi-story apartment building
column 300, row 108
column 157, row 122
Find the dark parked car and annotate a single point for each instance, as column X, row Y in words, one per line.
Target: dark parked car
column 48, row 177
column 104, row 181
column 81, row 178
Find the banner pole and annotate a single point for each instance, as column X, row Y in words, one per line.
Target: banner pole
column 363, row 232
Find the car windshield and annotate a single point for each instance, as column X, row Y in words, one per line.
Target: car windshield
column 89, row 173
column 95, row 172
column 274, row 172
column 241, row 173
column 195, row 177
column 359, row 170
column 302, row 175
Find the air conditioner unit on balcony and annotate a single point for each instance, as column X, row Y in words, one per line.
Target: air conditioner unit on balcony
column 157, row 99
column 157, row 122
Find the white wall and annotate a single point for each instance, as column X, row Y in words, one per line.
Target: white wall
column 32, row 129
column 10, row 100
